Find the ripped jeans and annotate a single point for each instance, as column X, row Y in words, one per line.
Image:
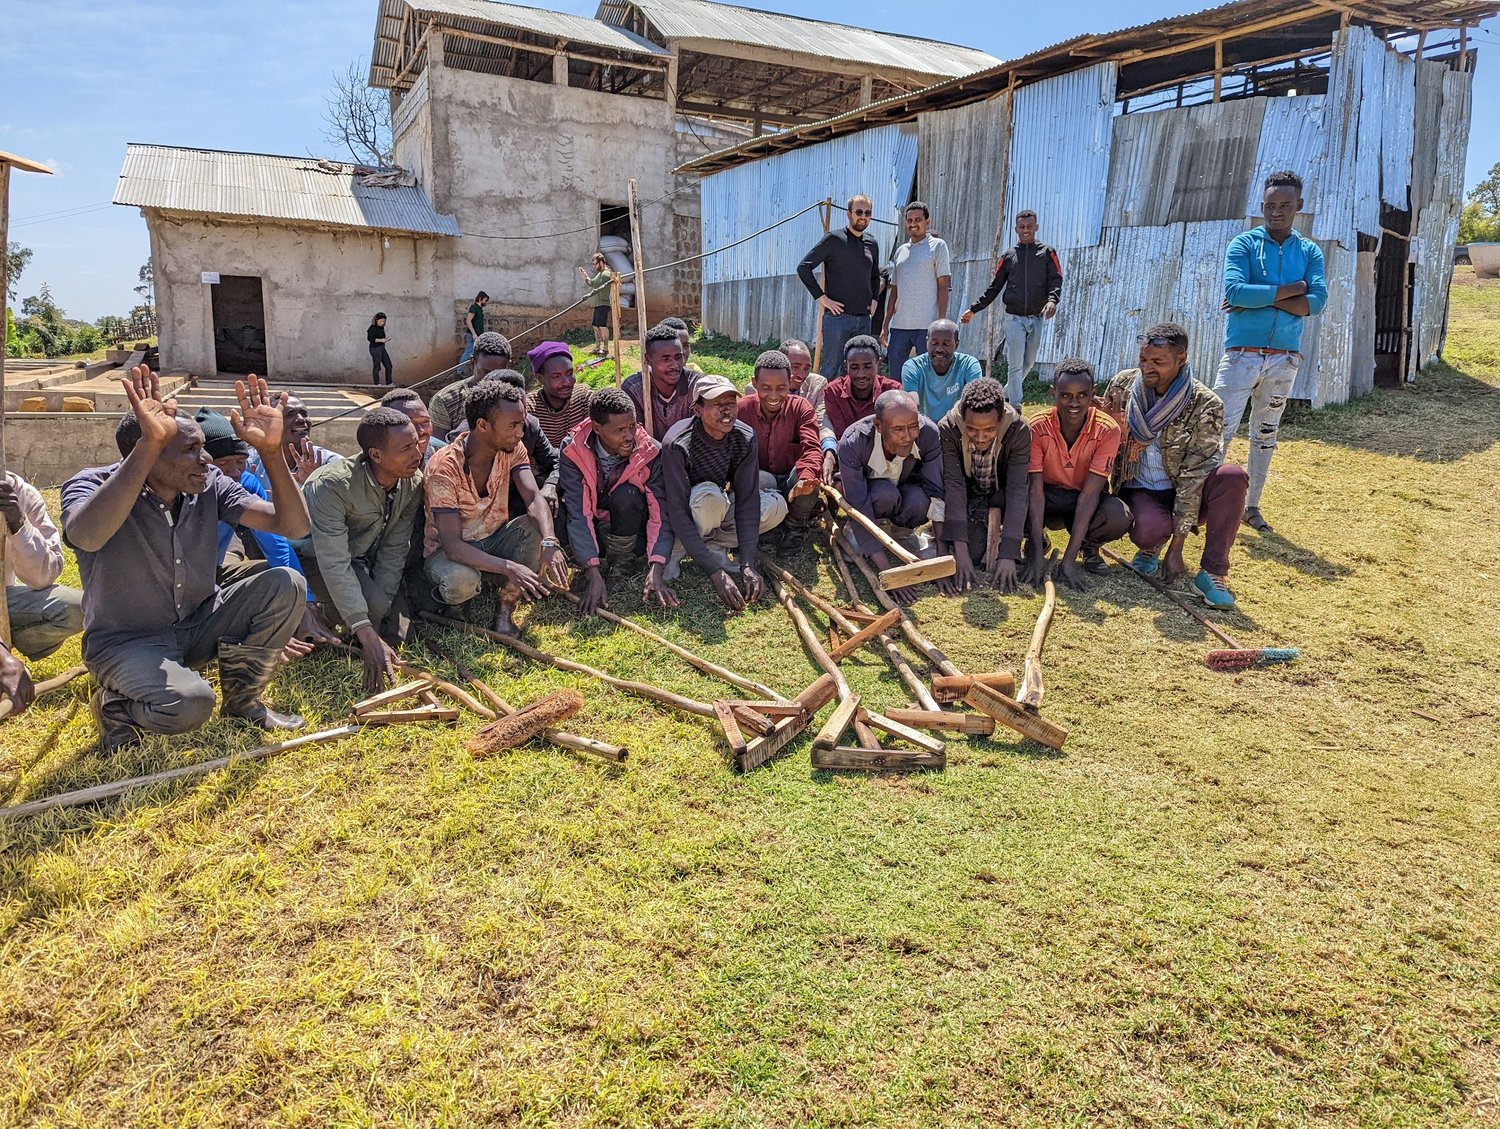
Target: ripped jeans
column 1263, row 382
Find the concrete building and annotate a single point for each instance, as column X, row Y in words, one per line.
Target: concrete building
column 1144, row 152
column 516, row 131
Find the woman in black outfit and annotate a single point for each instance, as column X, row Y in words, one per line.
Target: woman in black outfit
column 378, row 355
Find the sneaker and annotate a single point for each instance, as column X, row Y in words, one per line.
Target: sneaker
column 1092, row 562
column 1145, row 563
column 1214, row 590
column 793, row 538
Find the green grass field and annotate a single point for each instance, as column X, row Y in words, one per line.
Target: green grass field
column 1270, row 898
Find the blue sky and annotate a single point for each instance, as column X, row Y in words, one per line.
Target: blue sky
column 78, row 79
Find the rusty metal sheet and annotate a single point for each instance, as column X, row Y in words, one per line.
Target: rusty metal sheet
column 1182, row 165
column 1059, row 154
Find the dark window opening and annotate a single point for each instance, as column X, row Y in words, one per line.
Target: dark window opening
column 239, row 325
column 614, row 219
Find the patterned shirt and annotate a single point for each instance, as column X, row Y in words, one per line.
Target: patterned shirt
column 664, row 413
column 450, row 489
column 557, row 424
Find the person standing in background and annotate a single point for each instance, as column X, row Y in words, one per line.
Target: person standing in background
column 920, row 282
column 474, row 325
column 1029, row 283
column 853, row 260
column 600, row 285
column 378, row 356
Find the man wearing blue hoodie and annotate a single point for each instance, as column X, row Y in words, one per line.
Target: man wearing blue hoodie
column 1273, row 282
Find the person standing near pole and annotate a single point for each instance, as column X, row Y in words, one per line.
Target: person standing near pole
column 1029, row 283
column 378, row 355
column 920, row 282
column 600, row 284
column 853, row 260
column 474, row 325
column 1273, row 282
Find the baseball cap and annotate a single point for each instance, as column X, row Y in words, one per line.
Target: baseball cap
column 711, row 387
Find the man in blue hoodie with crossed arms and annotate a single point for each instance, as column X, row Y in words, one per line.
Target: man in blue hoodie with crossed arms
column 1273, row 282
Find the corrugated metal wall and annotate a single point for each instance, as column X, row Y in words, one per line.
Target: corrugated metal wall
column 1183, row 165
column 1400, row 99
column 1291, row 137
column 878, row 162
column 1436, row 227
column 1059, row 154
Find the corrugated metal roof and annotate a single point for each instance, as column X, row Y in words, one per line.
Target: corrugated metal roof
column 256, row 186
column 701, row 20
column 1059, row 154
column 1122, row 45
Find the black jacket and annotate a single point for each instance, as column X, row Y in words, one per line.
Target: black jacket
column 1029, row 277
column 853, row 270
column 1011, row 478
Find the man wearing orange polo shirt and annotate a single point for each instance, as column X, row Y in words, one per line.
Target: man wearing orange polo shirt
column 1073, row 450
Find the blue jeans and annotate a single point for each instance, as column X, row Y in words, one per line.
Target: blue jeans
column 837, row 329
column 1023, row 337
column 468, row 349
column 905, row 343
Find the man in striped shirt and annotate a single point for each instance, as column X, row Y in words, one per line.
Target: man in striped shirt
column 559, row 403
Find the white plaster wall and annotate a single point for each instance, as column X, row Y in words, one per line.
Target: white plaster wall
column 320, row 289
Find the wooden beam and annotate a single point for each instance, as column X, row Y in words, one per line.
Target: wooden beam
column 747, row 113
column 1218, row 68
column 644, row 62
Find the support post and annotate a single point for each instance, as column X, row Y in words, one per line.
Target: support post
column 1218, row 68
column 640, row 302
column 825, row 213
column 614, row 322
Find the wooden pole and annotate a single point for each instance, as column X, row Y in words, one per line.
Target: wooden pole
column 722, row 673
column 908, row 628
column 640, row 304
column 115, row 788
column 820, row 656
column 825, row 213
column 1218, row 68
column 614, row 322
column 640, row 689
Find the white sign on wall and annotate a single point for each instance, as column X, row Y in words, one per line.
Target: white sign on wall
column 210, row 277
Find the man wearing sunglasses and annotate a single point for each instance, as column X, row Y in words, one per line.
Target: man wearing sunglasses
column 851, row 259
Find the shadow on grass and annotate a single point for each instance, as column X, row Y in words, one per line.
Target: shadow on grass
column 1274, row 546
column 1445, row 415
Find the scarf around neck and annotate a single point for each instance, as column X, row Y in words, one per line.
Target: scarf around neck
column 1147, row 413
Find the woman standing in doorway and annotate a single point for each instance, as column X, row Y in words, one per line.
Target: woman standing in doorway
column 599, row 285
column 378, row 356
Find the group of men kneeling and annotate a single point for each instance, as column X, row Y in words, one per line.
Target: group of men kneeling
column 238, row 539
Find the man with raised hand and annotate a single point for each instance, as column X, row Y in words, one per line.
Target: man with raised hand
column 708, row 484
column 1173, row 475
column 918, row 296
column 1074, row 445
column 1028, row 281
column 986, row 447
column 891, row 468
column 852, row 258
column 301, row 454
column 145, row 531
column 363, row 511
column 672, row 398
column 786, row 439
column 1273, row 282
column 472, row 535
column 937, row 376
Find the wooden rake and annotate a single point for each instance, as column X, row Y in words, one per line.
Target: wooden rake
column 913, row 569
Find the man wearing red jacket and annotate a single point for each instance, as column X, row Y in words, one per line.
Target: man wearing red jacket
column 603, row 469
column 852, row 396
column 786, row 437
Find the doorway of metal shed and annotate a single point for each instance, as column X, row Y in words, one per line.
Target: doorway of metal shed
column 1394, row 281
column 239, row 325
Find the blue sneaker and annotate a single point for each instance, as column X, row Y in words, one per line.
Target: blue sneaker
column 1145, row 563
column 1214, row 590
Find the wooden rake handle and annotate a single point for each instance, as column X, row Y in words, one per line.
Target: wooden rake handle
column 886, row 540
column 1223, row 635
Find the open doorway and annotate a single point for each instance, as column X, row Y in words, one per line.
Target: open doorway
column 1393, row 294
column 614, row 219
column 239, row 325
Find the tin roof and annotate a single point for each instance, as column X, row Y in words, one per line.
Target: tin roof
column 701, row 21
column 1146, row 53
column 258, row 186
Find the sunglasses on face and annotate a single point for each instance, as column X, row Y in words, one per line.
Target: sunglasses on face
column 859, row 211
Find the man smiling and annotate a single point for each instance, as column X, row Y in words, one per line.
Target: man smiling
column 852, row 396
column 786, row 437
column 939, row 374
column 559, row 402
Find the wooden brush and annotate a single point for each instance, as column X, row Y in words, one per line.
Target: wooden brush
column 525, row 723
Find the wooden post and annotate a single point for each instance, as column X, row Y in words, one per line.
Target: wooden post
column 1218, row 68
column 1463, row 47
column 6, row 161
column 640, row 303
column 825, row 213
column 614, row 321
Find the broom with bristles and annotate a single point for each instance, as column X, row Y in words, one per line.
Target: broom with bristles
column 1237, row 657
column 526, row 723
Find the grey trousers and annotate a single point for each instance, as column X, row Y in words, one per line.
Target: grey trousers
column 153, row 676
column 41, row 619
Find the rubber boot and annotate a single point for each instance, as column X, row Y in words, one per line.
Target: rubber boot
column 243, row 674
column 115, row 730
column 620, row 557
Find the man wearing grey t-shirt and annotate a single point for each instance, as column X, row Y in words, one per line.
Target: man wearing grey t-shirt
column 920, row 281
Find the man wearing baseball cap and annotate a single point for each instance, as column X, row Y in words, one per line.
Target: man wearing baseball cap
column 708, row 483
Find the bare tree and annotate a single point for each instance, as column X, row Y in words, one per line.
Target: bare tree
column 359, row 118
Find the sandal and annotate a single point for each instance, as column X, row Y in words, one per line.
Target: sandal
column 1257, row 522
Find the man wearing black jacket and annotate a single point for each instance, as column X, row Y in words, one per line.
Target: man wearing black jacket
column 852, row 258
column 1029, row 282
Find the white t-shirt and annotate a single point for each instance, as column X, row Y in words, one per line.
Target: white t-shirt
column 915, row 269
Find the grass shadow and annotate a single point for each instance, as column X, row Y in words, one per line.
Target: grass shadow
column 1273, row 546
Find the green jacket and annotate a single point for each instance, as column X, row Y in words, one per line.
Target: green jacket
column 1189, row 446
column 349, row 523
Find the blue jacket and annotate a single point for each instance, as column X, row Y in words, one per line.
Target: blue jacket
column 276, row 549
column 1254, row 266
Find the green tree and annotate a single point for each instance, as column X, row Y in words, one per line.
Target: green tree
column 16, row 258
column 147, row 288
column 1476, row 227
column 1487, row 192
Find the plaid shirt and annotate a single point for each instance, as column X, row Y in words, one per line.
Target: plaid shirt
column 983, row 466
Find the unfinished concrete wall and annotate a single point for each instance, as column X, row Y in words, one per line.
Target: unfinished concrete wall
column 320, row 289
column 525, row 167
